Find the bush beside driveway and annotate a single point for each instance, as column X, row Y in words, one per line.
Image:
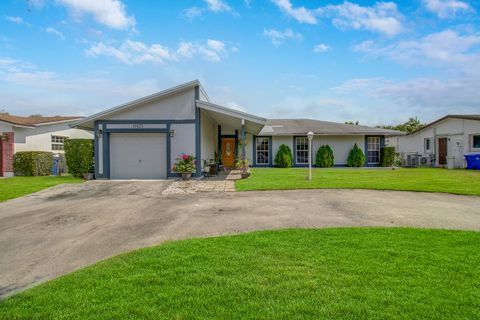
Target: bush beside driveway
column 465, row 182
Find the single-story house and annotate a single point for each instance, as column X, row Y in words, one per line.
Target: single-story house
column 35, row 133
column 450, row 136
column 143, row 138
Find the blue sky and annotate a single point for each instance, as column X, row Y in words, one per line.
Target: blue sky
column 376, row 62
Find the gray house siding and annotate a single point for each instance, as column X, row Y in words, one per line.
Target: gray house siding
column 175, row 115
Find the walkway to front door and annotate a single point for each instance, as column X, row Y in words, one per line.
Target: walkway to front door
column 224, row 182
column 228, row 152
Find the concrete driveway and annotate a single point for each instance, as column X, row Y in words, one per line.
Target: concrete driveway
column 59, row 230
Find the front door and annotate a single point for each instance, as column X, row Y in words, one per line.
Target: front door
column 442, row 151
column 228, row 152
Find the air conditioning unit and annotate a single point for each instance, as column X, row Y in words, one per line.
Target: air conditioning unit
column 412, row 160
column 426, row 160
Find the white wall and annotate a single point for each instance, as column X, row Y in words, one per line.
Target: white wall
column 40, row 138
column 208, row 137
column 183, row 141
column 458, row 132
column 341, row 146
column 180, row 106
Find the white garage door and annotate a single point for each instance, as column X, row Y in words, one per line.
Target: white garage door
column 138, row 156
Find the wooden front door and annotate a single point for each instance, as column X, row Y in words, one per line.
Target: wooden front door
column 228, row 152
column 442, row 151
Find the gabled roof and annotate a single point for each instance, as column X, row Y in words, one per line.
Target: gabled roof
column 452, row 116
column 278, row 127
column 132, row 104
column 35, row 120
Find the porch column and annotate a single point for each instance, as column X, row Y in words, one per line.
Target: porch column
column 243, row 141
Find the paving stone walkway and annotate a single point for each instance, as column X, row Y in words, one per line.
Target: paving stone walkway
column 224, row 182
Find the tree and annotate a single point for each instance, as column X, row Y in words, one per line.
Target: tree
column 412, row 125
column 324, row 157
column 356, row 158
column 352, row 123
column 284, row 157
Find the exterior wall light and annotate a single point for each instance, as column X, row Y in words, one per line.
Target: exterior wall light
column 172, row 133
column 99, row 133
column 310, row 138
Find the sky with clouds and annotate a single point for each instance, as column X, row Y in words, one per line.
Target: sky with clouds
column 379, row 62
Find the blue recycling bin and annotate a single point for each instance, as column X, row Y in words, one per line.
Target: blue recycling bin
column 55, row 167
column 473, row 161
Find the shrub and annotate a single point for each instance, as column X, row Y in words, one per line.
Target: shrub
column 33, row 163
column 284, row 157
column 80, row 155
column 356, row 158
column 387, row 156
column 324, row 157
column 185, row 164
column 239, row 164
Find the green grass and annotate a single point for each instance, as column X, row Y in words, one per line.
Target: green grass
column 15, row 187
column 349, row 273
column 419, row 179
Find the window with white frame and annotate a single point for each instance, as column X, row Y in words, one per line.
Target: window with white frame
column 262, row 145
column 428, row 144
column 373, row 150
column 475, row 141
column 301, row 149
column 58, row 143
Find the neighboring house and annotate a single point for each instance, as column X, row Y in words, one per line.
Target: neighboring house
column 451, row 136
column 34, row 134
column 142, row 139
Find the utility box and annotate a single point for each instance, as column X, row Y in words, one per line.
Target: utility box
column 450, row 162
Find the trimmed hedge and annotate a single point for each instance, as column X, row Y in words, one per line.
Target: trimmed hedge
column 387, row 156
column 284, row 157
column 356, row 158
column 33, row 163
column 324, row 157
column 80, row 155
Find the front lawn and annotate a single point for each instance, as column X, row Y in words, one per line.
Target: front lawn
column 418, row 179
column 362, row 273
column 15, row 187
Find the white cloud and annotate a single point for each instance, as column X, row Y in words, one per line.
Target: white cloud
column 17, row 20
column 134, row 52
column 382, row 17
column 447, row 48
column 218, row 6
column 192, row 13
column 55, row 32
column 447, row 8
column 319, row 48
column 111, row 13
column 427, row 97
column 300, row 14
column 186, row 49
column 216, row 45
column 278, row 37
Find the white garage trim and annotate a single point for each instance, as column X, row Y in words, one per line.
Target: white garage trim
column 138, row 155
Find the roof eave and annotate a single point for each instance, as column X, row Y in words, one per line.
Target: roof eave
column 231, row 112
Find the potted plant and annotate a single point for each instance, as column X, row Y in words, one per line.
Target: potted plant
column 185, row 165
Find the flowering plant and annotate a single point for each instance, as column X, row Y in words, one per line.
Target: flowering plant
column 185, row 164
